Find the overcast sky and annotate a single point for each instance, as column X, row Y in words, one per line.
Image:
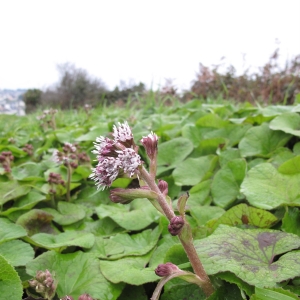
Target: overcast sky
column 140, row 40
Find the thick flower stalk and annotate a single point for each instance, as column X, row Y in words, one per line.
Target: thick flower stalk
column 118, row 157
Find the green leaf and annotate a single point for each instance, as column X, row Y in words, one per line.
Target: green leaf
column 274, row 294
column 291, row 166
column 266, row 188
column 131, row 292
column 250, row 253
column 123, row 244
column 202, row 214
column 27, row 171
column 291, row 221
column 10, row 282
column 76, row 273
column 10, row 231
column 262, row 141
column 231, row 278
column 25, row 202
column 63, row 240
column 174, row 151
column 226, row 183
column 182, row 290
column 130, row 270
column 162, row 247
column 193, row 170
column 288, row 122
column 243, row 214
column 199, row 194
column 141, row 215
column 12, row 190
column 16, row 252
column 101, row 129
column 212, row 121
column 66, row 213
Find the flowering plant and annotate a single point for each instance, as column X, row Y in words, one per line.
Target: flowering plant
column 118, row 157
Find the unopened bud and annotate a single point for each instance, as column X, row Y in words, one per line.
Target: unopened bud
column 163, row 187
column 176, row 225
column 166, row 269
column 150, row 144
column 85, row 297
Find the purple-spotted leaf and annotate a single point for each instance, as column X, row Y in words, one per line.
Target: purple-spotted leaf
column 251, row 254
column 77, row 273
column 36, row 221
column 243, row 214
column 266, row 188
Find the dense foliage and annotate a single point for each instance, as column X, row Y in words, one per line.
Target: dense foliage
column 240, row 164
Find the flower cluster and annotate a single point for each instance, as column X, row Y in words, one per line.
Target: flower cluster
column 47, row 119
column 44, row 284
column 116, row 158
column 54, row 180
column 6, row 158
column 28, row 148
column 69, row 156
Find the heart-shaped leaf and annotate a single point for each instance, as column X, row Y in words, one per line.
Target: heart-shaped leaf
column 262, row 141
column 266, row 188
column 10, row 231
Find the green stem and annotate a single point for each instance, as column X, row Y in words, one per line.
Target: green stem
column 69, row 174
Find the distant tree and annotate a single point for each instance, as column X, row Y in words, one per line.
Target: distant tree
column 32, row 99
column 74, row 89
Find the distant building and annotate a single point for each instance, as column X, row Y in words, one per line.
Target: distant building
column 11, row 102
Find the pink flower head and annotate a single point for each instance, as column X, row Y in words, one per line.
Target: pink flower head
column 122, row 133
column 115, row 157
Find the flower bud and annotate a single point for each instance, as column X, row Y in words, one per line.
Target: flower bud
column 150, row 144
column 163, row 187
column 166, row 269
column 85, row 297
column 176, row 225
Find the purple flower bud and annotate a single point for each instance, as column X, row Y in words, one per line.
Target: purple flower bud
column 166, row 269
column 163, row 187
column 85, row 297
column 150, row 144
column 176, row 225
